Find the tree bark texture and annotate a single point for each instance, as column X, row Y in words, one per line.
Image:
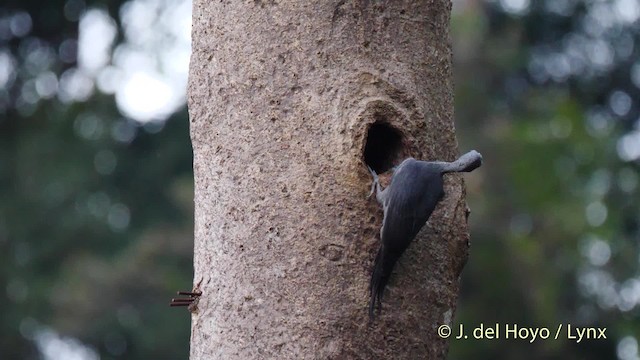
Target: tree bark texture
column 288, row 101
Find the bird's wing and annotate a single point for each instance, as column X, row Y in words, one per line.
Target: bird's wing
column 410, row 210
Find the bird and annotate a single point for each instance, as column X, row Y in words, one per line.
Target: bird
column 416, row 188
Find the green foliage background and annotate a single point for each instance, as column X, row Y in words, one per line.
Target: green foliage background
column 95, row 255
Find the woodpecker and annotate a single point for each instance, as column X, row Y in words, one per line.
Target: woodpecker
column 416, row 188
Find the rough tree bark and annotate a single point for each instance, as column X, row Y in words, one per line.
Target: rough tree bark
column 288, row 100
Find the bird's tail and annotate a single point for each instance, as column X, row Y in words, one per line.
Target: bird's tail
column 382, row 268
column 465, row 163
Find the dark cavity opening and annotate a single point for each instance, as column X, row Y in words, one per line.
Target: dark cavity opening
column 383, row 149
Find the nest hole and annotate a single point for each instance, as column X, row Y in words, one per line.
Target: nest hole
column 384, row 147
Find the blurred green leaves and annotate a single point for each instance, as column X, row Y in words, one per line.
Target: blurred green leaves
column 96, row 211
column 554, row 238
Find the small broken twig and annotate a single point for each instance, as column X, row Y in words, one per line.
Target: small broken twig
column 185, row 301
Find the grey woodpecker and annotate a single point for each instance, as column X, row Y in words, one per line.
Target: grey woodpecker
column 416, row 188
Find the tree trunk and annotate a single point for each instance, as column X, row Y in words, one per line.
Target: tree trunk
column 289, row 100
